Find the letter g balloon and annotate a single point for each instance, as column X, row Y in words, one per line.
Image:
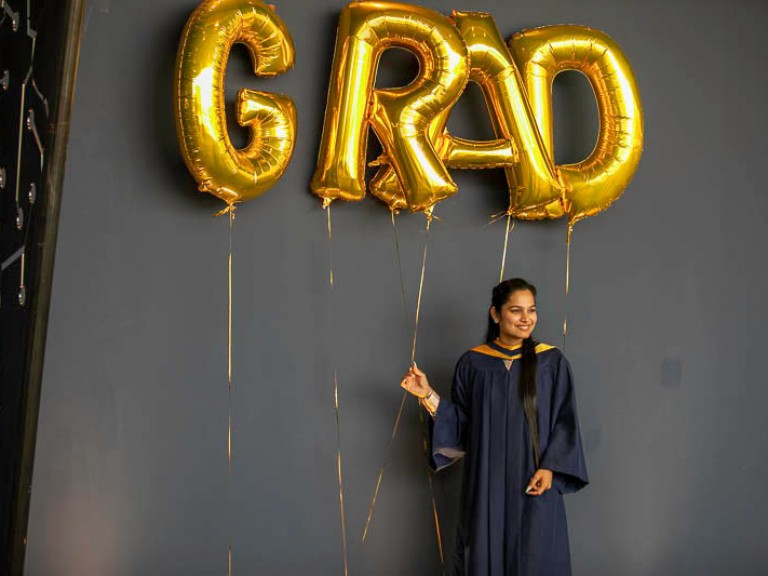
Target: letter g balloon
column 232, row 174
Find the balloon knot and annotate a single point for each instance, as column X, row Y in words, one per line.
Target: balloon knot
column 428, row 212
column 327, row 202
column 230, row 209
column 509, row 212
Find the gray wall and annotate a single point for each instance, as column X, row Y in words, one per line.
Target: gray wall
column 666, row 319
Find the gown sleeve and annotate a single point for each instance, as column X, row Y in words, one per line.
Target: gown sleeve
column 448, row 428
column 564, row 455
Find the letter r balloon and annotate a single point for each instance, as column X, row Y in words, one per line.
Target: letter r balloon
column 400, row 117
column 232, row 174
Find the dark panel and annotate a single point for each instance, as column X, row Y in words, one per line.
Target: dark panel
column 37, row 62
column 666, row 318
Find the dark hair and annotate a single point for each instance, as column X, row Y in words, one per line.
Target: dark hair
column 527, row 384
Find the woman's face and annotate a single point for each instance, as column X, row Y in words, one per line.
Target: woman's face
column 517, row 317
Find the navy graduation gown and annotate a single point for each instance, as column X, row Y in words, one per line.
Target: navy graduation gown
column 502, row 531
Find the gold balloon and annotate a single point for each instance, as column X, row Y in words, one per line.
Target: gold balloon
column 221, row 169
column 455, row 152
column 594, row 183
column 531, row 174
column 400, row 117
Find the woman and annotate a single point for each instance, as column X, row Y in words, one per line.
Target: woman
column 512, row 415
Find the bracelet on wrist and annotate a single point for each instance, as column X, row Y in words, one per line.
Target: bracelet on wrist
column 429, row 402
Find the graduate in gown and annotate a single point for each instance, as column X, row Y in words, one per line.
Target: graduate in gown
column 512, row 416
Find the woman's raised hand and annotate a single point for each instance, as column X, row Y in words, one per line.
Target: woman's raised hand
column 415, row 382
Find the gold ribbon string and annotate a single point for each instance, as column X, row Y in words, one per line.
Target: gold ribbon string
column 327, row 207
column 506, row 244
column 432, row 496
column 229, row 348
column 230, row 211
column 396, row 426
column 405, row 394
column 341, row 480
column 406, row 316
column 384, row 466
column 567, row 279
column 421, row 289
column 421, row 414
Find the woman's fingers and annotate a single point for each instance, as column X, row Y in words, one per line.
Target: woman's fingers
column 534, row 488
column 412, row 385
column 540, row 482
column 536, row 491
